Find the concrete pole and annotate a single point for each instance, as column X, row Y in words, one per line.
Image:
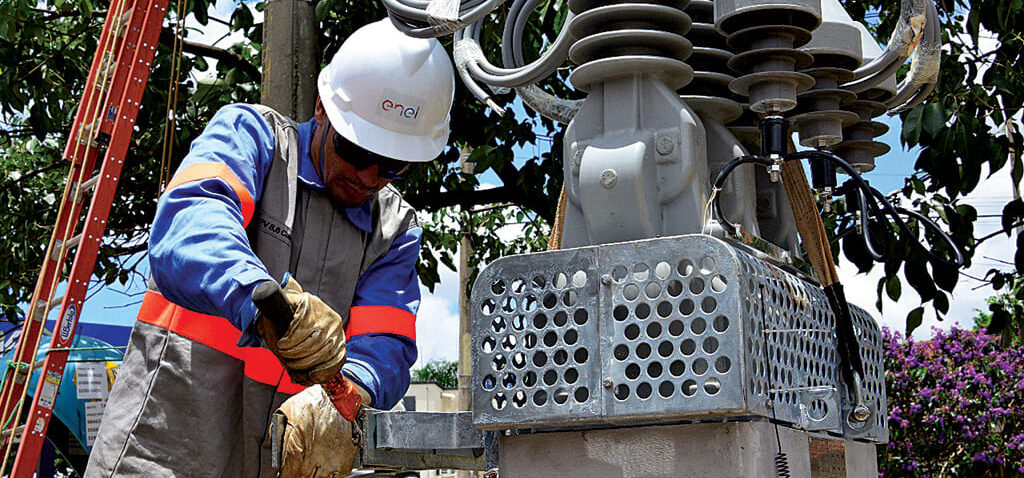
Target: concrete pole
column 290, row 60
column 465, row 339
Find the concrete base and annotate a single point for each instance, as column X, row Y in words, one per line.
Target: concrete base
column 741, row 450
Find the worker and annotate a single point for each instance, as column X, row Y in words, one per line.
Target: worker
column 259, row 197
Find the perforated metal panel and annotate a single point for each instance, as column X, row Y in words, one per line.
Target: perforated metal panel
column 534, row 331
column 686, row 327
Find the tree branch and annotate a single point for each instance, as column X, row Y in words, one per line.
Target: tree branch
column 58, row 52
column 35, row 172
column 996, row 233
column 536, row 202
column 434, row 200
column 219, row 54
column 128, row 250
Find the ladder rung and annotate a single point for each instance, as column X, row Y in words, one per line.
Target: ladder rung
column 57, row 246
column 44, row 307
column 17, row 432
column 90, row 183
column 122, row 22
column 104, row 74
column 86, row 187
column 88, row 133
column 107, row 70
column 20, row 370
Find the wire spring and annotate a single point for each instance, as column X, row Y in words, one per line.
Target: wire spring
column 782, row 465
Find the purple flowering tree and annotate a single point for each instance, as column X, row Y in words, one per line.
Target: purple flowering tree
column 956, row 406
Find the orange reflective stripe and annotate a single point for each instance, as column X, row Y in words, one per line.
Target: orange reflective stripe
column 216, row 170
column 380, row 319
column 218, row 333
column 262, row 366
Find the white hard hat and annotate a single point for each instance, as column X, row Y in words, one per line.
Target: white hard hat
column 390, row 93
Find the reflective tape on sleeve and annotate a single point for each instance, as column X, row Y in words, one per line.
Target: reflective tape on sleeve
column 220, row 171
column 380, row 319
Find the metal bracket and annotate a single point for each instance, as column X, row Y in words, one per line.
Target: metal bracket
column 426, row 440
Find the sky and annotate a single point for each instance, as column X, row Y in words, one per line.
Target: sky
column 437, row 324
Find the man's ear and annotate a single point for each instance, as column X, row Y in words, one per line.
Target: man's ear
column 319, row 113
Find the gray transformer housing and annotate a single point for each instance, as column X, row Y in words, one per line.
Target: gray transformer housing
column 659, row 331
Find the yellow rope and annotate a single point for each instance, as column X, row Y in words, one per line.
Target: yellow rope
column 555, row 240
column 172, row 100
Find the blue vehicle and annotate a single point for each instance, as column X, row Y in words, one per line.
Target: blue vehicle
column 67, row 435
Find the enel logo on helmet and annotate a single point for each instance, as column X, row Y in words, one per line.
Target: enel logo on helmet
column 410, row 112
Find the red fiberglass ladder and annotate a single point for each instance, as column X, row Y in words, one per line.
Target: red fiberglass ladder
column 102, row 128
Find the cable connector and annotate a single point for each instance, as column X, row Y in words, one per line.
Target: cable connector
column 825, row 196
column 775, row 169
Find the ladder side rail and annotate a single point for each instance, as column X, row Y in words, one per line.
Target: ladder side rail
column 51, row 273
column 125, row 78
column 108, row 44
column 82, row 157
column 135, row 79
column 39, row 308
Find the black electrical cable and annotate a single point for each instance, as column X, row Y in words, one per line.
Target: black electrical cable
column 870, row 199
column 723, row 175
column 873, row 204
column 928, row 224
column 855, row 193
column 865, row 228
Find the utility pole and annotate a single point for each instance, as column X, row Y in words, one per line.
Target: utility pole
column 465, row 325
column 290, row 62
column 465, row 338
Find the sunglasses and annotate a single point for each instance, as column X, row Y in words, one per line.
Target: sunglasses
column 360, row 159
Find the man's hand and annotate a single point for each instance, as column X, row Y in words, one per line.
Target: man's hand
column 316, row 440
column 313, row 348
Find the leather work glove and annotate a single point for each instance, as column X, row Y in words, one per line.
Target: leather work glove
column 313, row 348
column 315, row 440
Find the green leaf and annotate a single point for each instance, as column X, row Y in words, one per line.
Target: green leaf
column 911, row 134
column 998, row 280
column 973, row 24
column 941, row 304
column 1017, row 170
column 999, row 320
column 199, row 8
column 1018, row 256
column 918, row 185
column 946, row 276
column 1013, row 212
column 893, row 288
column 933, row 119
column 878, row 293
column 242, row 18
column 917, row 275
column 323, row 7
column 914, row 319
